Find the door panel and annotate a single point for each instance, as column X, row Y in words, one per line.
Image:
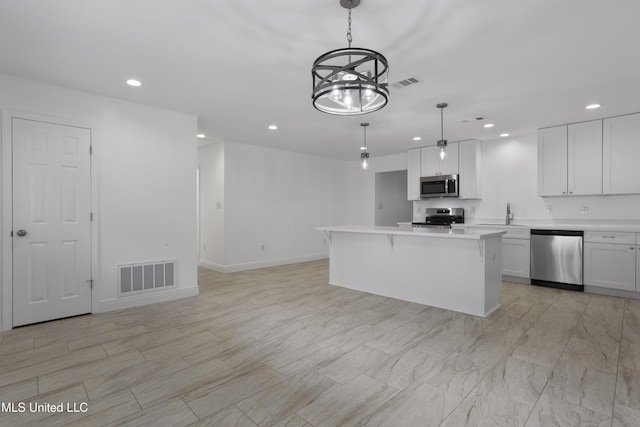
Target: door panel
column 51, row 203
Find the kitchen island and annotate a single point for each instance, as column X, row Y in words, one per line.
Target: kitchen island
column 453, row 269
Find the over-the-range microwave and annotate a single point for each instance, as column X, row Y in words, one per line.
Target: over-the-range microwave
column 439, row 186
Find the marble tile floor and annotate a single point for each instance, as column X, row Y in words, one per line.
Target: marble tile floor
column 281, row 347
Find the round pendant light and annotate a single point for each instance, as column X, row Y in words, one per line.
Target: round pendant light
column 350, row 81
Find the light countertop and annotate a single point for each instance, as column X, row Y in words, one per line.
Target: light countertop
column 610, row 227
column 454, row 233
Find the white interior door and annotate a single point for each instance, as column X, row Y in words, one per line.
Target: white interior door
column 51, row 221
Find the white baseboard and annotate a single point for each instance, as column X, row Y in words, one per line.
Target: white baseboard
column 612, row 292
column 232, row 268
column 145, row 299
column 211, row 266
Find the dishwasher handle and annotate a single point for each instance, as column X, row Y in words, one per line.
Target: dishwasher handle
column 557, row 232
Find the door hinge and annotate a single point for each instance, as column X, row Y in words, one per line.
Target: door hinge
column 91, row 216
column 90, row 282
column 90, row 150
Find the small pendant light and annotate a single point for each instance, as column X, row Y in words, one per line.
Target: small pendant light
column 442, row 143
column 364, row 155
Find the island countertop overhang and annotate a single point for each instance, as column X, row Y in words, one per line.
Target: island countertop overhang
column 418, row 232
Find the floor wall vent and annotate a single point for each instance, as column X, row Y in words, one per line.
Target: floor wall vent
column 146, row 277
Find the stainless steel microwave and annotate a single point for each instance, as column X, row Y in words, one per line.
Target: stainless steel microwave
column 439, row 186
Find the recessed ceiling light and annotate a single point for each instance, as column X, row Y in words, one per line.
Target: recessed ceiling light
column 592, row 106
column 201, row 135
column 273, row 127
column 134, row 82
column 504, row 134
column 489, row 125
column 417, row 138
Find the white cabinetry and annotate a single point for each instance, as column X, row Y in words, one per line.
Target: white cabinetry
column 470, row 179
column 570, row 159
column 621, row 150
column 610, row 260
column 516, row 252
column 552, row 161
column 413, row 174
column 584, row 158
column 516, row 249
column 431, row 164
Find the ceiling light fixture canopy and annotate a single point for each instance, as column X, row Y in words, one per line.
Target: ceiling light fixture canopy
column 442, row 143
column 364, row 155
column 350, row 81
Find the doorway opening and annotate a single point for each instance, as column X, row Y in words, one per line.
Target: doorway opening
column 391, row 204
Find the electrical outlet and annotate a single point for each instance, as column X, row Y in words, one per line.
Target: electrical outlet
column 379, row 206
column 584, row 209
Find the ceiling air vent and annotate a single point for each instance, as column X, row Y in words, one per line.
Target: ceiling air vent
column 475, row 118
column 404, row 83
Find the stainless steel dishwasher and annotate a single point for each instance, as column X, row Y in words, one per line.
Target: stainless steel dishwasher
column 556, row 259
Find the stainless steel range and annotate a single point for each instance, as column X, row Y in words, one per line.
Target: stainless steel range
column 441, row 218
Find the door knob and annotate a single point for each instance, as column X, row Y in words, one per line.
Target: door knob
column 21, row 233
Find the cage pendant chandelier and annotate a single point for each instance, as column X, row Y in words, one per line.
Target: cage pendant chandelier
column 350, row 81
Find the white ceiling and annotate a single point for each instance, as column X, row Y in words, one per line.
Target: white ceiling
column 240, row 65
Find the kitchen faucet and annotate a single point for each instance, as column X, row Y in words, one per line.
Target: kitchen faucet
column 509, row 214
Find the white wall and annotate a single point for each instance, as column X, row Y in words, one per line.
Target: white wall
column 510, row 175
column 273, row 202
column 143, row 179
column 212, row 205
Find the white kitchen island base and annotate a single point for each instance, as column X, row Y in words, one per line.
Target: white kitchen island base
column 452, row 269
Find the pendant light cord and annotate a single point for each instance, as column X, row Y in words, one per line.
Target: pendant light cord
column 364, row 127
column 349, row 38
column 441, row 124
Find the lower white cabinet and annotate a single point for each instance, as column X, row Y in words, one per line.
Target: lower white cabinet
column 516, row 249
column 515, row 257
column 610, row 265
column 638, row 268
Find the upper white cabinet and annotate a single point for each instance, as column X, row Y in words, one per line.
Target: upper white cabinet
column 463, row 159
column 621, row 150
column 584, row 157
column 413, row 174
column 470, row 162
column 552, row 161
column 432, row 165
column 570, row 159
